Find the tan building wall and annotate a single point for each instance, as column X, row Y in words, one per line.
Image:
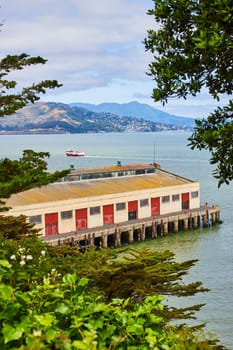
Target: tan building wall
column 68, row 225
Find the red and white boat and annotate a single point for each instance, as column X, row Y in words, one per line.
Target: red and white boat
column 72, row 153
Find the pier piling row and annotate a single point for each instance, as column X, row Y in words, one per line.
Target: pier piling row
column 115, row 235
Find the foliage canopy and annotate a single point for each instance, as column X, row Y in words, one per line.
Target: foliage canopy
column 30, row 170
column 27, row 172
column 20, row 175
column 43, row 307
column 10, row 99
column 193, row 49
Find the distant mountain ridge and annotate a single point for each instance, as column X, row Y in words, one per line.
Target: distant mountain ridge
column 52, row 117
column 138, row 110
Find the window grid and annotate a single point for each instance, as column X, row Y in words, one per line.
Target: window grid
column 144, row 202
column 194, row 194
column 95, row 210
column 165, row 199
column 120, row 206
column 66, row 214
column 175, row 197
column 36, row 219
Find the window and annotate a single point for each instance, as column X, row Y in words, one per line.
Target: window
column 194, row 194
column 120, row 173
column 120, row 206
column 36, row 219
column 144, row 203
column 165, row 199
column 140, row 171
column 175, row 197
column 132, row 215
column 151, row 170
column 95, row 210
column 66, row 215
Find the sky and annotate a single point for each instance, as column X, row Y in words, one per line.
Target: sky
column 94, row 48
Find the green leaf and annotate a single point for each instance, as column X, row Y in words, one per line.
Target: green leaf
column 62, row 309
column 5, row 263
column 69, row 279
column 83, row 282
column 5, row 292
column 46, row 319
column 51, row 334
column 12, row 333
column 135, row 329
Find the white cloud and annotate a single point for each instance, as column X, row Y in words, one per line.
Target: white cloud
column 93, row 48
column 78, row 38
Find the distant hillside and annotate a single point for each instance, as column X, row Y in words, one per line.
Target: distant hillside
column 139, row 110
column 51, row 117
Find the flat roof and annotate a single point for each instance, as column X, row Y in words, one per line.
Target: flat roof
column 112, row 168
column 89, row 188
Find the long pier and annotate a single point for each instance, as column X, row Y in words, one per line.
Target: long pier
column 115, row 235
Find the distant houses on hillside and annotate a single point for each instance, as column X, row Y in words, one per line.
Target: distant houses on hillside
column 59, row 118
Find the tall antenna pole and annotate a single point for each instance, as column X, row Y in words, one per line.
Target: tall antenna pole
column 154, row 154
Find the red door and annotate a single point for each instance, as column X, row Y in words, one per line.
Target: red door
column 108, row 214
column 185, row 200
column 51, row 224
column 155, row 206
column 132, row 210
column 81, row 218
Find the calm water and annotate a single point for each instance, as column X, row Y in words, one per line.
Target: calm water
column 213, row 247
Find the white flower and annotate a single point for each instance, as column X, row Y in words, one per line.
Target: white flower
column 13, row 257
column 43, row 252
column 29, row 257
column 37, row 333
column 22, row 262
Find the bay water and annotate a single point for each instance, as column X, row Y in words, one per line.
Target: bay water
column 213, row 246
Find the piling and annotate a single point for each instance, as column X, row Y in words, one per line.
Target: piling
column 140, row 229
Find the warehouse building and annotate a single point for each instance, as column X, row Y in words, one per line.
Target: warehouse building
column 103, row 197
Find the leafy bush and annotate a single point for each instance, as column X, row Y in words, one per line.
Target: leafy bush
column 41, row 310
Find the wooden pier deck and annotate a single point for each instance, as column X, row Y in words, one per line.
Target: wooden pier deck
column 115, row 235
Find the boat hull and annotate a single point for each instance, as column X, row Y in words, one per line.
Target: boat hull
column 75, row 155
column 72, row 153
